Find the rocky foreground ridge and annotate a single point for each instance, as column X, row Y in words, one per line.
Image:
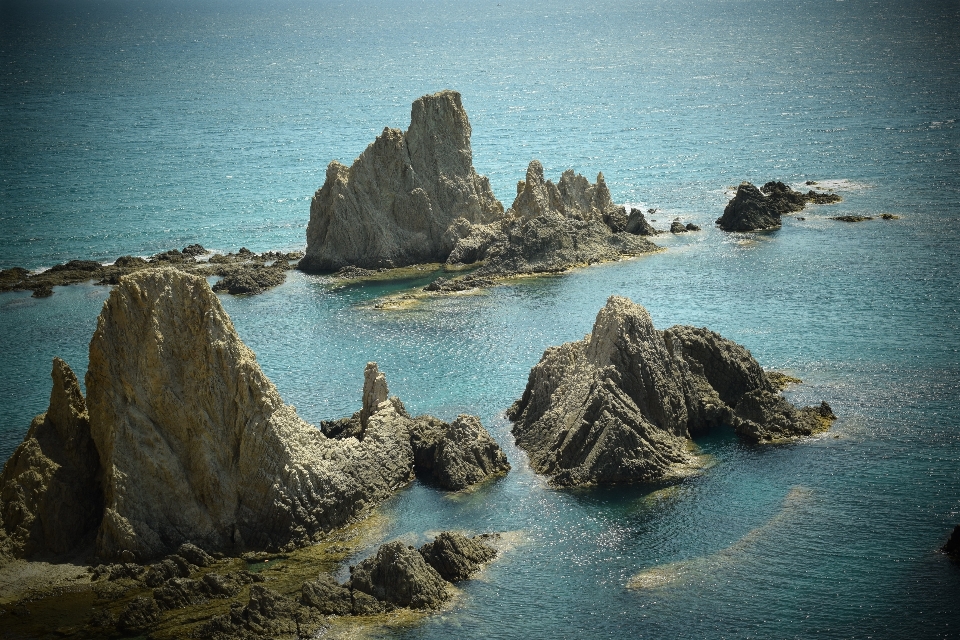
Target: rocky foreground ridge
column 262, row 604
column 753, row 209
column 182, row 438
column 622, row 404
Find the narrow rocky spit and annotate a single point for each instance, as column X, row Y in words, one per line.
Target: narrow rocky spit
column 753, row 209
column 244, row 272
column 622, row 404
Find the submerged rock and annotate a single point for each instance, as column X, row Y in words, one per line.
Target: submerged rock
column 196, row 443
column 621, row 404
column 48, row 490
column 393, row 207
column 753, row 209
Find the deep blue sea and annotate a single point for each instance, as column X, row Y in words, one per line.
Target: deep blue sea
column 135, row 126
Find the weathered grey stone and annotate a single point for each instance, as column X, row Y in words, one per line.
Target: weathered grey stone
column 620, row 405
column 49, row 496
column 399, row 575
column 196, row 443
column 455, row 556
column 140, row 615
column 637, row 224
column 393, row 207
column 456, row 454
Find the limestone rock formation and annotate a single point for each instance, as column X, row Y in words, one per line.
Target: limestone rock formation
column 621, row 404
column 455, row 556
column 196, row 443
column 398, row 575
column 551, row 228
column 753, row 209
column 48, row 491
column 393, row 207
column 457, row 454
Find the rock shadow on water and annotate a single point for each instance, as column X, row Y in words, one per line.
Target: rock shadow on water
column 699, row 568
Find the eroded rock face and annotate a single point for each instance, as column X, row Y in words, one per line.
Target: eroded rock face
column 394, row 205
column 551, row 228
column 196, row 443
column 753, row 209
column 621, row 404
column 457, row 454
column 49, row 492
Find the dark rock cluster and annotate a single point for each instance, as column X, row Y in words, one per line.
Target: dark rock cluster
column 753, row 209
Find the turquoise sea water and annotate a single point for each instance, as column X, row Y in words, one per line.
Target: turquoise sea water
column 135, row 127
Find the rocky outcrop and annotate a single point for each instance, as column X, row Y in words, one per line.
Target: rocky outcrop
column 394, row 206
column 621, row 404
column 454, row 455
column 399, row 576
column 753, row 209
column 637, row 224
column 196, row 443
column 48, row 490
column 551, row 228
column 457, row 454
column 456, row 557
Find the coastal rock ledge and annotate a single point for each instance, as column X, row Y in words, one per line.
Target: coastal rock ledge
column 622, row 404
column 182, row 438
column 393, row 207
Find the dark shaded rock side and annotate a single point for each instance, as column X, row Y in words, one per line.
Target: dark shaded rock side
column 49, row 488
column 457, row 454
column 621, row 404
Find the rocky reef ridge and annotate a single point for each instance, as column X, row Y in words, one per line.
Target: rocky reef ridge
column 244, row 272
column 622, row 404
column 753, row 209
column 395, row 204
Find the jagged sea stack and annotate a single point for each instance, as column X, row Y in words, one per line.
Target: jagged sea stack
column 197, row 445
column 394, row 206
column 621, row 404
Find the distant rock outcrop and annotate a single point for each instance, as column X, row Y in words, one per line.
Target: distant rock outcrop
column 551, row 228
column 394, row 206
column 621, row 404
column 196, row 443
column 48, row 491
column 753, row 209
column 952, row 547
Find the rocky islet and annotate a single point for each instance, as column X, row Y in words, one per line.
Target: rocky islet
column 622, row 404
column 753, row 209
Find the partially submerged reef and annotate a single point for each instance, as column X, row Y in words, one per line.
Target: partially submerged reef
column 753, row 209
column 181, row 439
column 622, row 404
column 244, row 272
